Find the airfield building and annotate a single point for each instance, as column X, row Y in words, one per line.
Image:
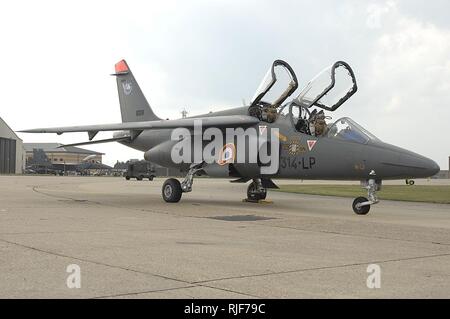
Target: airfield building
column 11, row 151
column 64, row 155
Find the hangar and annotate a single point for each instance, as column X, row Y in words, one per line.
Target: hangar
column 11, row 150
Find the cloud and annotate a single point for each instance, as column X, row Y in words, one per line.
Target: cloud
column 407, row 86
column 376, row 12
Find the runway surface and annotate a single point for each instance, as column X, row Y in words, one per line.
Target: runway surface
column 129, row 243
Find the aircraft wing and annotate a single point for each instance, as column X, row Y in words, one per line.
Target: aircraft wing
column 212, row 121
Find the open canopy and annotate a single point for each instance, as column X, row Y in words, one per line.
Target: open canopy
column 277, row 85
column 330, row 88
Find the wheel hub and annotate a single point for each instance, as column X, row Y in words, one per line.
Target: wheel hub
column 168, row 191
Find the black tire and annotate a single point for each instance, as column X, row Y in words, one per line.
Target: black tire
column 150, row 178
column 140, row 178
column 252, row 195
column 263, row 194
column 360, row 210
column 171, row 191
column 410, row 182
column 127, row 178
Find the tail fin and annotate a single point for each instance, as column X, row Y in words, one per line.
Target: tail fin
column 133, row 104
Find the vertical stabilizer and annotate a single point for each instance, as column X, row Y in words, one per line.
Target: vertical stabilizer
column 133, row 104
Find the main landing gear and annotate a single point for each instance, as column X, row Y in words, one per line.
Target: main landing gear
column 256, row 191
column 361, row 205
column 172, row 188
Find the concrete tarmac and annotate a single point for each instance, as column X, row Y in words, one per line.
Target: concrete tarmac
column 129, row 243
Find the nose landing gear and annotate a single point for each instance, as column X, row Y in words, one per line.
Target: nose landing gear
column 358, row 208
column 361, row 205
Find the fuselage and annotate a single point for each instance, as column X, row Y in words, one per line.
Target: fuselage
column 304, row 156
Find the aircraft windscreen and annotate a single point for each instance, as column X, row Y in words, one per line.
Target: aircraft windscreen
column 348, row 130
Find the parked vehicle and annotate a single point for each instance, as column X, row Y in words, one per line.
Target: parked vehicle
column 140, row 170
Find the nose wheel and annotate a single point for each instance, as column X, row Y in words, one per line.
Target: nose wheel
column 361, row 205
column 358, row 209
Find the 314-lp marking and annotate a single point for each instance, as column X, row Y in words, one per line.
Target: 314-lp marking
column 298, row 163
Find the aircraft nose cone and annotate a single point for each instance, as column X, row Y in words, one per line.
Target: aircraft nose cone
column 432, row 167
column 425, row 167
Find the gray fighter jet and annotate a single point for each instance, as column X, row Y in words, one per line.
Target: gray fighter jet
column 305, row 143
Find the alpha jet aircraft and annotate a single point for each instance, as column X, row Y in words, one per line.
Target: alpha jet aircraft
column 305, row 145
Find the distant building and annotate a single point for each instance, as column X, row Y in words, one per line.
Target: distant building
column 69, row 155
column 441, row 174
column 11, row 151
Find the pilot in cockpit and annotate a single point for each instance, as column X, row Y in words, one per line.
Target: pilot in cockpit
column 320, row 125
column 302, row 126
column 317, row 123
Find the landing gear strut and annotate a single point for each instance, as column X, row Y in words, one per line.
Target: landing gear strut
column 256, row 191
column 361, row 205
column 172, row 188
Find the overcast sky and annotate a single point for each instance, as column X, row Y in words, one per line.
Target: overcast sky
column 56, row 57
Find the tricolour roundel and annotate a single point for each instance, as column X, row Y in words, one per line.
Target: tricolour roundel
column 227, row 154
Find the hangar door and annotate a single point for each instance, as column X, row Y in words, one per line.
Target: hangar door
column 7, row 156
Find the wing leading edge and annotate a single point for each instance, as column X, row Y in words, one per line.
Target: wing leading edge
column 219, row 121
